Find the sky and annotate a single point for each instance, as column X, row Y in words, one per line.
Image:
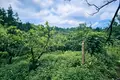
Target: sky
column 61, row 13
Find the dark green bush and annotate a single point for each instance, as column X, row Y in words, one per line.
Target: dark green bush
column 95, row 43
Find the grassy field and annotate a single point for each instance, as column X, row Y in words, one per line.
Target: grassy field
column 60, row 66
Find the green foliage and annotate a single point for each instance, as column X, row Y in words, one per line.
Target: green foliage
column 95, row 42
column 42, row 52
column 67, row 66
column 3, row 39
column 116, row 32
column 8, row 17
column 24, row 27
column 3, row 16
column 17, row 71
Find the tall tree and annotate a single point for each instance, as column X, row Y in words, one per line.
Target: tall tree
column 17, row 19
column 3, row 16
column 10, row 16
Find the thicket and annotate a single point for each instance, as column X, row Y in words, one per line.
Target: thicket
column 42, row 52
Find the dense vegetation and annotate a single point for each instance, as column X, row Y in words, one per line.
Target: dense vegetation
column 42, row 52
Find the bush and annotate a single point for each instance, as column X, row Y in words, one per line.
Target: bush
column 17, row 71
column 95, row 43
column 67, row 66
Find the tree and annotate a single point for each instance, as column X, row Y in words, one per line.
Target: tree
column 3, row 16
column 95, row 42
column 116, row 31
column 98, row 8
column 15, row 44
column 17, row 19
column 10, row 18
column 24, row 26
column 58, row 42
column 37, row 40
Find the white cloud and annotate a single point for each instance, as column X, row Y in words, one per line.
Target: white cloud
column 59, row 13
column 106, row 15
column 7, row 3
column 42, row 13
column 71, row 22
column 52, row 19
column 44, row 4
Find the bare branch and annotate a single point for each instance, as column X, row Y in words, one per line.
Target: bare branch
column 113, row 19
column 99, row 8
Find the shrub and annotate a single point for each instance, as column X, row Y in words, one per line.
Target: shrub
column 95, row 42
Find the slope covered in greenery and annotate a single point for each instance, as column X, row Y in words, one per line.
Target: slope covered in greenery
column 60, row 66
column 42, row 52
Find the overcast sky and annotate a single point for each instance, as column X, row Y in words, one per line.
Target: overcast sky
column 61, row 13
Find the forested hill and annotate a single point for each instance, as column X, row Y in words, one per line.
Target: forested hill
column 44, row 52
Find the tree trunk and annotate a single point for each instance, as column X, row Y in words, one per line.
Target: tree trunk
column 83, row 53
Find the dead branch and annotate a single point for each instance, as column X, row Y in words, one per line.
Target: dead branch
column 99, row 8
column 113, row 19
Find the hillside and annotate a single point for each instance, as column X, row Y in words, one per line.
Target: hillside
column 44, row 52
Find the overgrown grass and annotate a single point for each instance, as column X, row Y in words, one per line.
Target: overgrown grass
column 59, row 66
